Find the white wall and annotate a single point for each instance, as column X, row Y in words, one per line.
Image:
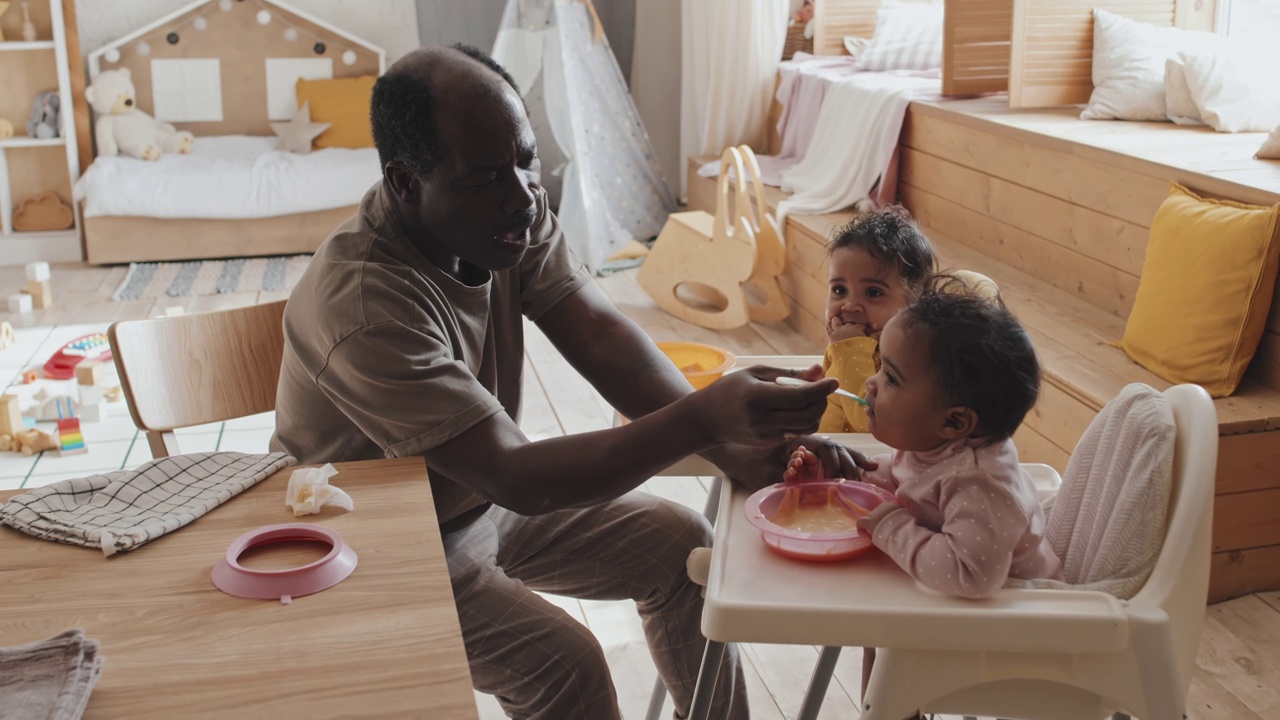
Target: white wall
column 390, row 24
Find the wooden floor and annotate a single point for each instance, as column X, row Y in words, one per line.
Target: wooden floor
column 1238, row 666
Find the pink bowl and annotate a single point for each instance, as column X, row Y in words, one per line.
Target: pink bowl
column 232, row 578
column 813, row 546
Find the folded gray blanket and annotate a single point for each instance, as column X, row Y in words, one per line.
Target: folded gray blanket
column 118, row 511
column 50, row 679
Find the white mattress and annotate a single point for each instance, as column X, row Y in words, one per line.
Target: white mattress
column 228, row 177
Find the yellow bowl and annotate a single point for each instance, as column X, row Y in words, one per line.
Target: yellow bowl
column 701, row 364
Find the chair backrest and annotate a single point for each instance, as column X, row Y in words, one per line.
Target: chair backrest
column 196, row 369
column 1179, row 585
column 1107, row 523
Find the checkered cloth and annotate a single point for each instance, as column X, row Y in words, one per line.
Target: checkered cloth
column 50, row 679
column 118, row 511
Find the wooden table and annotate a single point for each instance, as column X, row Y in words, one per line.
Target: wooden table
column 383, row 643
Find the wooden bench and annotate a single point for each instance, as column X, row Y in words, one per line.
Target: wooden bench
column 1060, row 222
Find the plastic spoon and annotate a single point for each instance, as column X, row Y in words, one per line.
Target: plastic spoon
column 786, row 380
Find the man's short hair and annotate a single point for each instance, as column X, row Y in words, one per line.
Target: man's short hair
column 402, row 113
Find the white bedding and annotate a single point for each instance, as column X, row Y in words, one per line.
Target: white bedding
column 232, row 177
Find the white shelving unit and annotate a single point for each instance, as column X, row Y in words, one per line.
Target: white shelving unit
column 22, row 66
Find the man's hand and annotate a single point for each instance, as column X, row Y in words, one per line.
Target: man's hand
column 748, row 407
column 756, row 466
column 831, row 459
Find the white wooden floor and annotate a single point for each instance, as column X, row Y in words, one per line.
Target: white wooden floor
column 1238, row 665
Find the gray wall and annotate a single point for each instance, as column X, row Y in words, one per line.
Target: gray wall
column 443, row 22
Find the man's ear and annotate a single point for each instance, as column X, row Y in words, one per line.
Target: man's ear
column 959, row 422
column 404, row 183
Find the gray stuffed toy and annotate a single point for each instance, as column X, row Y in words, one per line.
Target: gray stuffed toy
column 45, row 113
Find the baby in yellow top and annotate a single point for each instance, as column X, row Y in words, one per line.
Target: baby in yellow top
column 877, row 263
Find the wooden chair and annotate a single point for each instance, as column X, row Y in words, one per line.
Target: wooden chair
column 705, row 253
column 195, row 369
column 771, row 254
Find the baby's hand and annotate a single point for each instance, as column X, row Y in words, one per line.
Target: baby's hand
column 803, row 466
column 838, row 330
column 869, row 522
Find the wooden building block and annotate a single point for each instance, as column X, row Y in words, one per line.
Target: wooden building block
column 10, row 415
column 38, row 271
column 41, row 292
column 29, row 377
column 93, row 412
column 91, row 394
column 90, row 372
column 19, row 304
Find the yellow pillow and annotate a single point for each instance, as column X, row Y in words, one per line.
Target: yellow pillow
column 344, row 103
column 1206, row 288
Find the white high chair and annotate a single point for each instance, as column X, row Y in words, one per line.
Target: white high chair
column 1023, row 653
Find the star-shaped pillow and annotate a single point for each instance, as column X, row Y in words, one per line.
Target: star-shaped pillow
column 297, row 134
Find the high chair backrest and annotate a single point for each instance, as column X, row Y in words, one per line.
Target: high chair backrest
column 201, row 368
column 1107, row 523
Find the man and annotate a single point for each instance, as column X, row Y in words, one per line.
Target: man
column 405, row 338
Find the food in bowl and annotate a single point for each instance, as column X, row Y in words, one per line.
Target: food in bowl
column 816, row 520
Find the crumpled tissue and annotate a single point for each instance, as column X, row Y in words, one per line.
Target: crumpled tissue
column 309, row 490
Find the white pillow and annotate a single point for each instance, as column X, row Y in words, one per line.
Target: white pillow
column 908, row 37
column 1270, row 149
column 1179, row 106
column 855, row 46
column 1129, row 65
column 1236, row 89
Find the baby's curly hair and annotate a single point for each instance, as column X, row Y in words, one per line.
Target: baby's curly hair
column 979, row 353
column 892, row 237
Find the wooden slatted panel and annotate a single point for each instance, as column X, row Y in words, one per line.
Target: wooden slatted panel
column 1051, row 58
column 834, row 20
column 976, row 40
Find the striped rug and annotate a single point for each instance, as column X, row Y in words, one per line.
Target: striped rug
column 210, row 277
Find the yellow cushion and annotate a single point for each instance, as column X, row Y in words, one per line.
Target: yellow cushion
column 344, row 103
column 1205, row 291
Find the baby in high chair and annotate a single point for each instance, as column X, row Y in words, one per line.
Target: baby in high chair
column 957, row 375
column 877, row 263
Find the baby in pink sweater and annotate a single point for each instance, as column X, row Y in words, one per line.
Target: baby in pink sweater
column 957, row 376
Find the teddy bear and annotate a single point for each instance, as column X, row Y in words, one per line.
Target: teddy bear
column 28, row 442
column 123, row 128
column 46, row 113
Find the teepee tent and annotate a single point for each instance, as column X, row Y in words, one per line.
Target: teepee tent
column 596, row 157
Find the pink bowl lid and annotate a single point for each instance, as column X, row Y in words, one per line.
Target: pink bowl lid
column 232, row 578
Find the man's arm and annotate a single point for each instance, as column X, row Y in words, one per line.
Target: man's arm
column 624, row 364
column 613, row 353
column 497, row 461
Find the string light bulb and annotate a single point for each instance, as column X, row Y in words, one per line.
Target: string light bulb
column 224, row 5
column 112, row 55
column 200, row 24
column 144, row 49
column 291, row 34
column 349, row 58
column 264, row 17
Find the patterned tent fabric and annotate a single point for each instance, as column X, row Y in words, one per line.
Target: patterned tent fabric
column 1107, row 523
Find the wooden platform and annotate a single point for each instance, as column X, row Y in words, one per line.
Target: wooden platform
column 1057, row 211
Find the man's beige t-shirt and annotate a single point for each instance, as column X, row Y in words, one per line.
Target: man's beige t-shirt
column 387, row 356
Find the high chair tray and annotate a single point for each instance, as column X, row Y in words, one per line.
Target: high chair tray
column 754, row 595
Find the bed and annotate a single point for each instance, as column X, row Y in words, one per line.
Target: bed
column 225, row 71
column 232, row 196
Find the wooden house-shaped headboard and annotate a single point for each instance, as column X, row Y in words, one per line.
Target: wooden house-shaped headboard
column 219, row 67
